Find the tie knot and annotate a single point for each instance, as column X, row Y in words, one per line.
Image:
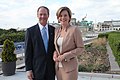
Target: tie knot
column 44, row 28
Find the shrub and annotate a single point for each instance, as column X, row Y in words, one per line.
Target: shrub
column 103, row 35
column 8, row 51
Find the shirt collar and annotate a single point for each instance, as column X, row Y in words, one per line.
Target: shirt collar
column 41, row 26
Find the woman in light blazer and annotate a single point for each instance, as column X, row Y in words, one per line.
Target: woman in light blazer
column 69, row 44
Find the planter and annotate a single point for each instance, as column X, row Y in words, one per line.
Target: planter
column 9, row 68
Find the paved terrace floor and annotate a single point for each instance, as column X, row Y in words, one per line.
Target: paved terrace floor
column 20, row 75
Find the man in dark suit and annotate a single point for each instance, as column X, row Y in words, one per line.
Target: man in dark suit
column 39, row 56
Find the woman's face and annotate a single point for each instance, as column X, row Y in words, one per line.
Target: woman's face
column 64, row 18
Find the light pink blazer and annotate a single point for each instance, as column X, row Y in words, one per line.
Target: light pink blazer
column 72, row 46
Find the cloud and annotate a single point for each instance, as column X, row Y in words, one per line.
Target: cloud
column 18, row 13
column 22, row 13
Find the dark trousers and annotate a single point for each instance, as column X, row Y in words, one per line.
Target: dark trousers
column 49, row 75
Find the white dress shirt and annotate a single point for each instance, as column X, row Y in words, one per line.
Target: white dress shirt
column 46, row 26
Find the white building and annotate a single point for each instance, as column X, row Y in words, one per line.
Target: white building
column 108, row 26
column 116, row 25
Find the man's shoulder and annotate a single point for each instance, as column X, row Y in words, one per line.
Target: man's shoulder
column 51, row 26
column 32, row 27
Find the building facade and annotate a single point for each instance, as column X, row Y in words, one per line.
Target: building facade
column 108, row 26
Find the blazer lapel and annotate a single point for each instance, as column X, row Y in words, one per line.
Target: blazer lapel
column 56, row 38
column 65, row 39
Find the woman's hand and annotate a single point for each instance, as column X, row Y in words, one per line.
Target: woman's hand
column 60, row 58
column 55, row 56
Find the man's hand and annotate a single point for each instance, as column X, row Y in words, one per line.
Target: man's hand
column 30, row 75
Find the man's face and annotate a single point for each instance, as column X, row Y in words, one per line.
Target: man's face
column 43, row 16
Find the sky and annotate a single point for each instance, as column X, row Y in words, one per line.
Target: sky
column 21, row 14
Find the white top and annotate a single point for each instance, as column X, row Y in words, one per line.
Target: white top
column 59, row 43
column 0, row 60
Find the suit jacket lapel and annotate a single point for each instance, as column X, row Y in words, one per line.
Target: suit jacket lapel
column 51, row 34
column 39, row 36
column 38, row 32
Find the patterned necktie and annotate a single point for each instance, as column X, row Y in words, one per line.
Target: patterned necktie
column 45, row 39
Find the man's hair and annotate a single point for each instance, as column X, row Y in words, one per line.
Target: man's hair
column 43, row 7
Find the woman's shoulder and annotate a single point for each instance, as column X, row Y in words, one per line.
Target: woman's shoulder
column 74, row 27
column 57, row 29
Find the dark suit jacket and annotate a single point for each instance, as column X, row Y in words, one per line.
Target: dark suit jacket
column 36, row 58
